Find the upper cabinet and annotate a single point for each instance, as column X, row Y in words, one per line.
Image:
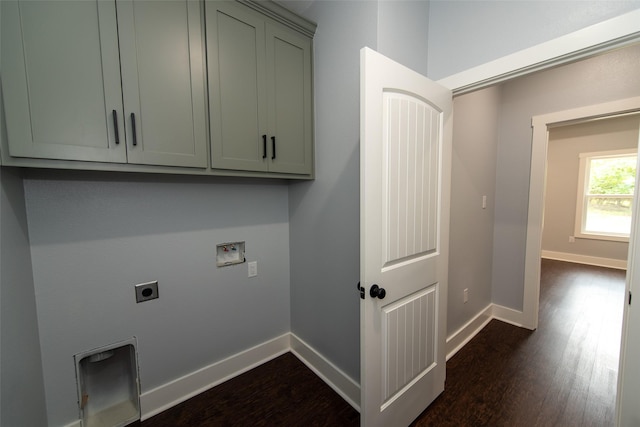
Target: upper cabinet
column 260, row 102
column 168, row 86
column 61, row 80
column 163, row 81
column 105, row 81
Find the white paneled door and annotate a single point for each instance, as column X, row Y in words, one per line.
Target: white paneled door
column 405, row 149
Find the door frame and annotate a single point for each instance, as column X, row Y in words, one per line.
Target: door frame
column 605, row 36
column 614, row 33
column 541, row 125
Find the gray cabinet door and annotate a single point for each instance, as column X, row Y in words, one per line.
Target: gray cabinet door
column 237, row 92
column 290, row 103
column 61, row 80
column 161, row 50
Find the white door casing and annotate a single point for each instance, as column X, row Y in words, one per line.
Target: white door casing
column 627, row 410
column 405, row 161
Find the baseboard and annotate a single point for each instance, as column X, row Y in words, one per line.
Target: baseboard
column 462, row 336
column 340, row 382
column 619, row 264
column 154, row 401
column 508, row 315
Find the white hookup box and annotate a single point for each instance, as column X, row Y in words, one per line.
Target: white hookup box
column 108, row 385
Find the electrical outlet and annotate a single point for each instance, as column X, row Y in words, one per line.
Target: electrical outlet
column 465, row 294
column 253, row 268
column 146, row 291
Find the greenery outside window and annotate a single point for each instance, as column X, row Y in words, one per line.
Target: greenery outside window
column 605, row 195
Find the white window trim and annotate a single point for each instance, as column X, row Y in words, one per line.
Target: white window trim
column 582, row 188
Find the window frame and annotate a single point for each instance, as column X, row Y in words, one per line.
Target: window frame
column 583, row 182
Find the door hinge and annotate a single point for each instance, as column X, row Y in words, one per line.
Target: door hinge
column 629, row 297
column 361, row 289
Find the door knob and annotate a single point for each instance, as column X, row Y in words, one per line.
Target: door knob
column 377, row 292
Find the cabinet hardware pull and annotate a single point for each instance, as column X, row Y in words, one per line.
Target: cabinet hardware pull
column 133, row 129
column 273, row 147
column 115, row 126
column 264, row 146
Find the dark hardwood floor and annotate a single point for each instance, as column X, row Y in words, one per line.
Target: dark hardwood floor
column 563, row 374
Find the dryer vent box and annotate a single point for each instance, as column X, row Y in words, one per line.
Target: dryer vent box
column 108, row 385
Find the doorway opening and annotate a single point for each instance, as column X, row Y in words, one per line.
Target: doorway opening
column 542, row 127
column 590, row 181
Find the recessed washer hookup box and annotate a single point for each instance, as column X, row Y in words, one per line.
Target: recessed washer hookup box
column 229, row 254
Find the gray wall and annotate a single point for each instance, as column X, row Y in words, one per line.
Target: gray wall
column 95, row 235
column 563, row 164
column 463, row 34
column 325, row 214
column 403, row 32
column 22, row 395
column 592, row 81
column 475, row 139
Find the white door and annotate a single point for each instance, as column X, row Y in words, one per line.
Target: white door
column 405, row 161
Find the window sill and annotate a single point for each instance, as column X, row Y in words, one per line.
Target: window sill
column 609, row 237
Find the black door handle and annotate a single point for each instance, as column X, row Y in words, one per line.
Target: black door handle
column 377, row 292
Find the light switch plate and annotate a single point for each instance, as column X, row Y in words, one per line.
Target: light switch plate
column 253, row 268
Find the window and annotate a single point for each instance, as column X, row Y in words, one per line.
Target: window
column 605, row 195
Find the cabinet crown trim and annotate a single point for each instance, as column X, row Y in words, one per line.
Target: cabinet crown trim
column 282, row 15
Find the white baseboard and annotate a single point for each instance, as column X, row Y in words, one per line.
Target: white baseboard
column 154, row 401
column 462, row 336
column 619, row 264
column 177, row 391
column 340, row 382
column 508, row 315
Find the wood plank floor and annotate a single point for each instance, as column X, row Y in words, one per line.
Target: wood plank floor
column 563, row 374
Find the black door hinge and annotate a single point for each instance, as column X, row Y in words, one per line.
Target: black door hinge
column 629, row 297
column 361, row 289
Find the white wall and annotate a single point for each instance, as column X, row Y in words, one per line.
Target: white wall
column 463, row 34
column 95, row 235
column 563, row 164
column 22, row 397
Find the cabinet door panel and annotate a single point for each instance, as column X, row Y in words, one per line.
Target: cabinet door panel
column 163, row 82
column 237, row 95
column 289, row 84
column 61, row 80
